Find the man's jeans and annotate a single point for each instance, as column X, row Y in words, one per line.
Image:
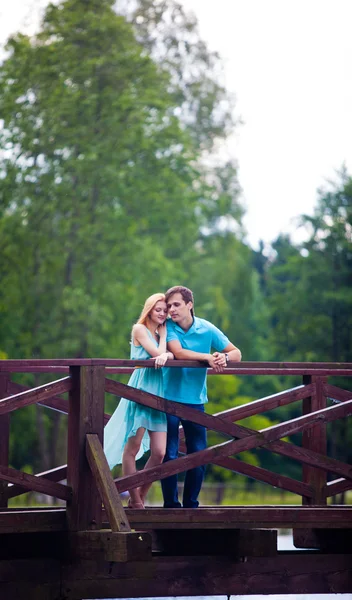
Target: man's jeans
column 196, row 439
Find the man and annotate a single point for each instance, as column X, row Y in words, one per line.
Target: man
column 190, row 338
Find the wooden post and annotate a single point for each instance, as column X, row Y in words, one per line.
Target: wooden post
column 86, row 415
column 4, row 438
column 314, row 439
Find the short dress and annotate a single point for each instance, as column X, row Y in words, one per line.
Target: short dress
column 130, row 416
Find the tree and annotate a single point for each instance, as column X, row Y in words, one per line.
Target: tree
column 170, row 35
column 88, row 135
column 102, row 188
column 309, row 293
column 310, row 285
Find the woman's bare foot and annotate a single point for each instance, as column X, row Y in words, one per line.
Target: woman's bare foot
column 132, row 504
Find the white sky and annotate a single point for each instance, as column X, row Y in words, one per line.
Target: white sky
column 289, row 64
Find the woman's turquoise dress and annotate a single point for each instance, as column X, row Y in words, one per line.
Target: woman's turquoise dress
column 130, row 416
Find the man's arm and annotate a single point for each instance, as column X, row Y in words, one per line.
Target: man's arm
column 183, row 354
column 229, row 353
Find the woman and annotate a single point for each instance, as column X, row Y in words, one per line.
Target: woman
column 134, row 428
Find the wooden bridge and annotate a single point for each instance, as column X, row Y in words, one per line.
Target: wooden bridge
column 91, row 547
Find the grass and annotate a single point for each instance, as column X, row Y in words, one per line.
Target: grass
column 260, row 495
column 211, row 495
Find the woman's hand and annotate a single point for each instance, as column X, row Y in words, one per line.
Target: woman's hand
column 161, row 359
column 162, row 331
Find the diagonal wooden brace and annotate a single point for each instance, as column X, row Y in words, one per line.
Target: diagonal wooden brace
column 105, row 484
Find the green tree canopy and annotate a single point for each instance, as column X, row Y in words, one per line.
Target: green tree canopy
column 104, row 193
column 310, row 294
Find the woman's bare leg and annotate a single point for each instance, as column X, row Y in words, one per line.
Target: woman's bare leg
column 130, row 452
column 157, row 453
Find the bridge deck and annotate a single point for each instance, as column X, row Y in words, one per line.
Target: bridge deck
column 238, row 517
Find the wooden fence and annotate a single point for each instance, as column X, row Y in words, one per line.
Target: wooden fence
column 92, row 547
column 87, row 380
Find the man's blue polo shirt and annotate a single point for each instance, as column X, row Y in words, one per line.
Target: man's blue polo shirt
column 189, row 385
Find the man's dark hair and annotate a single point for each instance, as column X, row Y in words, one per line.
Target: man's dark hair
column 186, row 293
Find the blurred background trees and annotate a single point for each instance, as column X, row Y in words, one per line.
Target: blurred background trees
column 114, row 185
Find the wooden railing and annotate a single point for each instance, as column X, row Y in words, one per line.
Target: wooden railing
column 89, row 482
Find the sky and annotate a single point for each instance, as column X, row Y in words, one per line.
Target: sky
column 288, row 63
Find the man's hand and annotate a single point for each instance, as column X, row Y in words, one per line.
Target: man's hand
column 220, row 358
column 217, row 361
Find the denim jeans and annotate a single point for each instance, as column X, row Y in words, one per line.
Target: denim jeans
column 196, row 439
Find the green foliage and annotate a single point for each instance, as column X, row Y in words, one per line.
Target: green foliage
column 223, row 395
column 103, row 188
column 309, row 287
column 96, row 176
column 111, row 188
column 309, row 295
column 171, row 37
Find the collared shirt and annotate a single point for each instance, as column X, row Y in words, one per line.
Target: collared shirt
column 189, row 385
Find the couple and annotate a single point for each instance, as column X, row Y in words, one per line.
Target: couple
column 134, row 428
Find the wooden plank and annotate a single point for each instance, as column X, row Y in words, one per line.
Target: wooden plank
column 216, row 423
column 216, row 542
column 32, row 545
column 294, row 573
column 59, row 362
column 297, row 573
column 34, row 395
column 57, row 474
column 265, row 476
column 13, row 521
column 25, row 591
column 37, row 579
column 29, row 369
column 173, row 408
column 282, row 448
column 18, row 363
column 242, row 517
column 235, row 369
column 338, row 541
column 337, row 393
column 256, row 407
column 338, row 486
column 284, row 372
column 248, row 368
column 272, row 517
column 309, row 457
column 265, row 404
column 249, row 440
column 243, row 365
column 110, row 546
column 105, row 484
column 314, row 438
column 55, row 403
column 204, row 576
column 86, row 415
column 4, row 437
column 36, row 484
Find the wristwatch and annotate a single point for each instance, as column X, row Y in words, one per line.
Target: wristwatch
column 226, row 357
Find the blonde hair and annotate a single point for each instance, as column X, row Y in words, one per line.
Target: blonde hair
column 148, row 307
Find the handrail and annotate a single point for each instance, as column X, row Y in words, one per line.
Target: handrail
column 233, row 368
column 88, row 380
